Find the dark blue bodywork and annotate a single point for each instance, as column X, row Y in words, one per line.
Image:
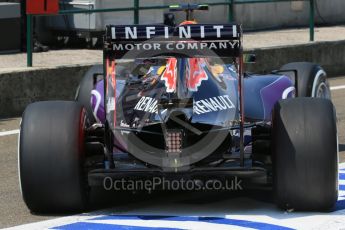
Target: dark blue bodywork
column 261, row 92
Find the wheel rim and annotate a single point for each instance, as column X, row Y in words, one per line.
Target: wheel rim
column 323, row 91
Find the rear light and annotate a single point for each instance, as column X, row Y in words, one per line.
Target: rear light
column 174, row 141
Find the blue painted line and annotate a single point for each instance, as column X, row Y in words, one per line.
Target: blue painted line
column 213, row 220
column 342, row 176
column 340, row 205
column 342, row 187
column 243, row 223
column 97, row 226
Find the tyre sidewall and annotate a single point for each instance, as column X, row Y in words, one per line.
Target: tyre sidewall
column 51, row 157
column 305, row 154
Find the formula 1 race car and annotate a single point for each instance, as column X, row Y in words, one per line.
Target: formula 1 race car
column 174, row 102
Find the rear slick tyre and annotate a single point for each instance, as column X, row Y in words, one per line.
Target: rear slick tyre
column 51, row 156
column 312, row 79
column 305, row 154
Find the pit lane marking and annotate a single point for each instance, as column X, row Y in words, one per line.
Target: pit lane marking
column 337, row 87
column 8, row 133
column 255, row 216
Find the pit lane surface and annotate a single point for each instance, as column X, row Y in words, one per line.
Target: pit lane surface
column 173, row 210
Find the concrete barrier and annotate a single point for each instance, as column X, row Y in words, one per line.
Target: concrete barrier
column 20, row 88
column 330, row 55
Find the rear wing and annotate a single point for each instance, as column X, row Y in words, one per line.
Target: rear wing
column 148, row 41
column 193, row 40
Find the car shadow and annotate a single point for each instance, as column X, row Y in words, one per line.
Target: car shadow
column 217, row 204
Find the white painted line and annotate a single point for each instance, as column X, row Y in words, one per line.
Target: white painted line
column 7, row 133
column 342, row 166
column 341, row 194
column 338, row 87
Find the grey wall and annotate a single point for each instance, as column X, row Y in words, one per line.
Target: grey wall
column 287, row 14
column 271, row 15
column 252, row 16
column 98, row 21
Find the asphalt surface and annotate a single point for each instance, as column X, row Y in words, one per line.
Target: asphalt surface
column 14, row 212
